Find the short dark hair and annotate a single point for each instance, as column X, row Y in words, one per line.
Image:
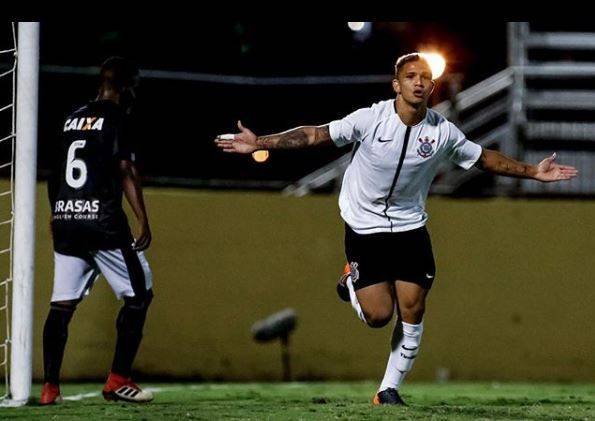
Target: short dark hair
column 119, row 73
column 407, row 58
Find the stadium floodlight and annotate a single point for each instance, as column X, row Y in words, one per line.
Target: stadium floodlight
column 278, row 326
column 361, row 30
column 437, row 63
column 356, row 26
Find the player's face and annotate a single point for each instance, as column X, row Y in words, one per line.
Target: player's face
column 414, row 82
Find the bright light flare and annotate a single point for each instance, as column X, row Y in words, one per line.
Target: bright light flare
column 437, row 63
column 356, row 26
column 260, row 156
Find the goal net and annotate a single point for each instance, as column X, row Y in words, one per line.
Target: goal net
column 7, row 137
column 19, row 68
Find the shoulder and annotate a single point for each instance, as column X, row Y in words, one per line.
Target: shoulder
column 377, row 111
column 79, row 111
column 378, row 108
column 445, row 127
column 383, row 108
column 434, row 118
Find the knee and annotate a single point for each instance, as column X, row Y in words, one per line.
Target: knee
column 133, row 313
column 58, row 319
column 379, row 318
column 66, row 305
column 413, row 312
column 139, row 302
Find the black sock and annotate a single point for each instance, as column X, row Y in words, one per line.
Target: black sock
column 55, row 334
column 129, row 324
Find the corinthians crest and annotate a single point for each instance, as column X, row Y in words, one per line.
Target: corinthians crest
column 426, row 147
column 354, row 271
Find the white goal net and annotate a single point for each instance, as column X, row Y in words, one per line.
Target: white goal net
column 7, row 144
column 19, row 77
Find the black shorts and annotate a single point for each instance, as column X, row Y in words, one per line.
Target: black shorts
column 387, row 257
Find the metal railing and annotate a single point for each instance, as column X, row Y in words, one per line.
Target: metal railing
column 552, row 117
column 500, row 112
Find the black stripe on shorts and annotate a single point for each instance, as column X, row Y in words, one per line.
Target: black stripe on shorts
column 135, row 272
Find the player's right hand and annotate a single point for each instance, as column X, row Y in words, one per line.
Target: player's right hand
column 144, row 238
column 243, row 142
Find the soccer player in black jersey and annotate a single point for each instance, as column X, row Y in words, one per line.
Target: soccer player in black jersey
column 93, row 167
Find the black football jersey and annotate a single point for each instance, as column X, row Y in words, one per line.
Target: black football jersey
column 85, row 188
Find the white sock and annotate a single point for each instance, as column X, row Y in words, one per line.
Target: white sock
column 405, row 347
column 354, row 302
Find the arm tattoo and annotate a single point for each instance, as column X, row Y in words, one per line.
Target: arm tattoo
column 322, row 133
column 503, row 165
column 291, row 139
column 514, row 169
column 297, row 138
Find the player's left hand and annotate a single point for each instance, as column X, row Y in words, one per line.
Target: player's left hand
column 144, row 239
column 548, row 170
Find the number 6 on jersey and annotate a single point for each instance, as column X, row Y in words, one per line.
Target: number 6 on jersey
column 72, row 163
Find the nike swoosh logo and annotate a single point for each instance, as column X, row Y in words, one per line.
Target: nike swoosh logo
column 429, row 276
column 384, row 140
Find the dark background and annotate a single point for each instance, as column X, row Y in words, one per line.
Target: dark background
column 176, row 121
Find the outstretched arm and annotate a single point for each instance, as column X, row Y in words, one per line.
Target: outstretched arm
column 134, row 194
column 546, row 170
column 247, row 142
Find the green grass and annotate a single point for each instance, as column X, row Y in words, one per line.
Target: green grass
column 350, row 400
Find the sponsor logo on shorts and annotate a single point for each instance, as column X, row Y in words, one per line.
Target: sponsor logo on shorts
column 354, row 271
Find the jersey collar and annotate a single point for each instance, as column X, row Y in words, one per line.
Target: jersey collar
column 422, row 121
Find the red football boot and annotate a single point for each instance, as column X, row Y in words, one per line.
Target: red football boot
column 50, row 394
column 120, row 388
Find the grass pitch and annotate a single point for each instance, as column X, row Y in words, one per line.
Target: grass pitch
column 307, row 401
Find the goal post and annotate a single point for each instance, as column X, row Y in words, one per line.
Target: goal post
column 25, row 177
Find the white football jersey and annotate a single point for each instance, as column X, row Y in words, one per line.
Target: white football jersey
column 386, row 184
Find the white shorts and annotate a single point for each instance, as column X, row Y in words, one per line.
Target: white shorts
column 127, row 272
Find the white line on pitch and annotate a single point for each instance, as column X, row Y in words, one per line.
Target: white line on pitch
column 82, row 396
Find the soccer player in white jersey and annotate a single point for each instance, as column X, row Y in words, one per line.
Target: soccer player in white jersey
column 399, row 145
